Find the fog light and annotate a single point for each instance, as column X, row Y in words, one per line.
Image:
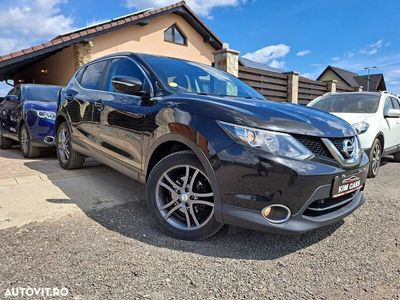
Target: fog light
column 276, row 213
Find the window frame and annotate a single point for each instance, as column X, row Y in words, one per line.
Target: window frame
column 387, row 99
column 175, row 27
column 394, row 100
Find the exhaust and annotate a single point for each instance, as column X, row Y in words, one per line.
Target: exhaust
column 276, row 213
column 49, row 140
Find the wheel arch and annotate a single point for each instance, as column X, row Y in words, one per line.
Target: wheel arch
column 381, row 138
column 183, row 143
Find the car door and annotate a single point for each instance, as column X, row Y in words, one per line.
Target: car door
column 80, row 101
column 391, row 140
column 396, row 128
column 10, row 113
column 120, row 117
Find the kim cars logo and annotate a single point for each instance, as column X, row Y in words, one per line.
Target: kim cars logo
column 348, row 147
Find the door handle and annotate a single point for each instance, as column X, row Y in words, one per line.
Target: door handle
column 99, row 105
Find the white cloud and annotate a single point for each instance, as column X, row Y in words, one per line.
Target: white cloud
column 336, row 58
column 25, row 23
column 307, row 75
column 269, row 54
column 303, row 52
column 277, row 64
column 373, row 48
column 201, row 7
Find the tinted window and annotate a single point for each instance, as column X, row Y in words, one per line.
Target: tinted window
column 93, row 74
column 122, row 67
column 348, row 103
column 388, row 105
column 190, row 77
column 396, row 104
column 42, row 93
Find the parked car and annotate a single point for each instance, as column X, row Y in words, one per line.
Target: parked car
column 375, row 117
column 27, row 117
column 210, row 149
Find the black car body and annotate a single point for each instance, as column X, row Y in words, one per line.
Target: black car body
column 27, row 117
column 177, row 112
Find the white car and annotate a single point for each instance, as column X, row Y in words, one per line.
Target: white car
column 376, row 118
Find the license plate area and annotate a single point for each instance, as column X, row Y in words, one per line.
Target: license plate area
column 348, row 183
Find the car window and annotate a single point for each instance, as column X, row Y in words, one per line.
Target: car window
column 78, row 75
column 93, row 74
column 122, row 67
column 17, row 92
column 388, row 105
column 395, row 102
column 42, row 93
column 348, row 103
column 190, row 77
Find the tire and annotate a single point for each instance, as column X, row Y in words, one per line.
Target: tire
column 5, row 143
column 25, row 140
column 375, row 157
column 396, row 156
column 68, row 158
column 183, row 213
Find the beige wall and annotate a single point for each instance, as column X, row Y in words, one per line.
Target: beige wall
column 330, row 75
column 60, row 67
column 150, row 39
column 134, row 38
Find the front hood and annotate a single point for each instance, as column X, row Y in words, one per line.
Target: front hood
column 41, row 105
column 353, row 118
column 283, row 117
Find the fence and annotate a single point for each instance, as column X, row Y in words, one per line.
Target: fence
column 288, row 87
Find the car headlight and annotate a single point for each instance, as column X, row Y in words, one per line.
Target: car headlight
column 277, row 143
column 361, row 127
column 45, row 114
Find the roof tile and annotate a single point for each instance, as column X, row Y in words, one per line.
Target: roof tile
column 98, row 28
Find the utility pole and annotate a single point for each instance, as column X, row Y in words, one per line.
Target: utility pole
column 369, row 68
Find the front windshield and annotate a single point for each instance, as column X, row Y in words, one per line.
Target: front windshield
column 42, row 93
column 348, row 103
column 185, row 76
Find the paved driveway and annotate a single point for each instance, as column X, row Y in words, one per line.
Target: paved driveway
column 88, row 230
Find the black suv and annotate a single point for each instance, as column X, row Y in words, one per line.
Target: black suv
column 210, row 149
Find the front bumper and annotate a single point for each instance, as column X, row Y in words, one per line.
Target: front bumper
column 250, row 180
column 42, row 131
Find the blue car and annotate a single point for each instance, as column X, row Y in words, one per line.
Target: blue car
column 27, row 117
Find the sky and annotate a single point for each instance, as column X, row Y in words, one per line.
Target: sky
column 303, row 36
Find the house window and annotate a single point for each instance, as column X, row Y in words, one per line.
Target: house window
column 174, row 35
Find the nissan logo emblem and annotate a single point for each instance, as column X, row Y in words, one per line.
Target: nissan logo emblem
column 348, row 148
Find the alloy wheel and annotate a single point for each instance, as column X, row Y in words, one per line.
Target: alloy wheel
column 376, row 158
column 184, row 197
column 24, row 140
column 63, row 146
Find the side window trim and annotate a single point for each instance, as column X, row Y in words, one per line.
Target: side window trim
column 106, row 73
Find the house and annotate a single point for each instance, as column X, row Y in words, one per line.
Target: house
column 353, row 80
column 174, row 31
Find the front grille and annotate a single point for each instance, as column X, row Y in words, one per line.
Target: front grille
column 315, row 145
column 325, row 206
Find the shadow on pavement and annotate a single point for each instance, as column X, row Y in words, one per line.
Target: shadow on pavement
column 132, row 220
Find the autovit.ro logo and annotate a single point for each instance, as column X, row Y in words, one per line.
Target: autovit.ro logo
column 35, row 292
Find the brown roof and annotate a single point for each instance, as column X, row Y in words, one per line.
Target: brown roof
column 86, row 33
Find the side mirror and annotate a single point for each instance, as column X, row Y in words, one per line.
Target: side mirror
column 11, row 98
column 127, row 85
column 393, row 113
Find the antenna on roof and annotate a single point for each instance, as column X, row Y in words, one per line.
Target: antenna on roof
column 104, row 22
